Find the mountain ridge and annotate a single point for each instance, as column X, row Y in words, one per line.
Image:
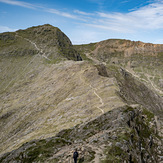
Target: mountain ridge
column 50, row 103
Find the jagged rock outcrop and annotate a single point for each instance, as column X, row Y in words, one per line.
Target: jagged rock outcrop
column 126, row 134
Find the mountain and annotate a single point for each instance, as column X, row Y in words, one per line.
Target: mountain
column 144, row 60
column 50, row 42
column 108, row 105
column 19, row 48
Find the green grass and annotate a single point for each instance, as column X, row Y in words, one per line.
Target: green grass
column 128, row 109
column 149, row 114
column 114, row 154
column 41, row 150
column 54, row 61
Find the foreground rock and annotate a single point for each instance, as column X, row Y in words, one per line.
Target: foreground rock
column 125, row 134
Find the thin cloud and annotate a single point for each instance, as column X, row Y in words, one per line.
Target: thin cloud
column 82, row 13
column 125, row 1
column 18, row 3
column 6, row 29
column 67, row 15
column 60, row 13
column 111, row 27
column 147, row 17
column 49, row 10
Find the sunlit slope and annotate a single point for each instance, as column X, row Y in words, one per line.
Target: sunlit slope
column 52, row 97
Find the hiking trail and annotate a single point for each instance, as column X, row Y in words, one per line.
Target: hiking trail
column 40, row 51
column 94, row 91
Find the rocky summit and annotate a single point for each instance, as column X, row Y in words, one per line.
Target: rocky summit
column 104, row 99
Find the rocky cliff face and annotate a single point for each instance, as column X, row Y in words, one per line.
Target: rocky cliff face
column 109, row 109
column 127, row 48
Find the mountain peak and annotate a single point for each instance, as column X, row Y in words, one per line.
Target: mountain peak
column 44, row 39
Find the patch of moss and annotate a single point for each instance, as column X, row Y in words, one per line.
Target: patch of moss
column 65, row 133
column 125, row 136
column 41, row 150
column 114, row 154
column 128, row 109
column 85, row 47
column 4, row 157
column 160, row 55
column 90, row 156
column 149, row 114
column 54, row 160
column 54, row 61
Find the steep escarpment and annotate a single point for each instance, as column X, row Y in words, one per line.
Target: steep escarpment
column 132, row 90
column 125, row 134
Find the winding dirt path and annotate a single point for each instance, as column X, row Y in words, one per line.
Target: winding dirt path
column 94, row 91
column 99, row 107
column 97, row 151
column 40, row 50
column 148, row 77
column 94, row 59
column 39, row 54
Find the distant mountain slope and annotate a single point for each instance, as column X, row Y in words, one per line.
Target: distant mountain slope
column 143, row 60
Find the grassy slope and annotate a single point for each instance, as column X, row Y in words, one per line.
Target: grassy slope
column 49, row 97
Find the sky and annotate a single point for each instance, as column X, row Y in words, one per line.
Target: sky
column 88, row 21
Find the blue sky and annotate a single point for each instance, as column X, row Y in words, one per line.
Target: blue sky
column 86, row 21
